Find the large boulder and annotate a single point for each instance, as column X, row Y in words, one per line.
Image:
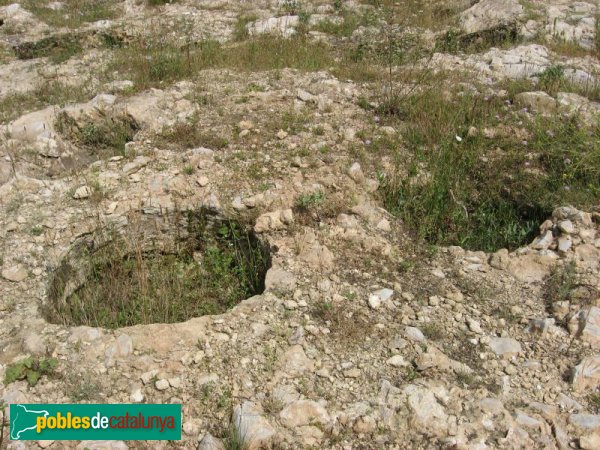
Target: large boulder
column 489, row 14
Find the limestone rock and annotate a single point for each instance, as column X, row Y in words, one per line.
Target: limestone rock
column 15, row 274
column 504, row 347
column 489, row 14
column 294, row 361
column 303, row 412
column 586, row 375
column 120, row 349
column 530, row 268
column 585, row 422
column 135, row 165
column 427, row 413
column 355, row 172
column 251, row 427
column 276, row 220
column 414, row 334
column 34, row 344
column 283, row 25
column 209, row 442
column 398, row 361
column 82, row 192
column 590, row 326
column 280, row 280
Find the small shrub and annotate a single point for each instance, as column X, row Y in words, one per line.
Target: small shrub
column 309, row 201
column 552, row 79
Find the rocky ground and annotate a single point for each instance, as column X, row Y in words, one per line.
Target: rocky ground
column 366, row 336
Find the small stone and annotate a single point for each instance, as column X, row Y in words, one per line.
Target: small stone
column 564, row 244
column 586, row 375
column 191, row 427
column 590, row 422
column 304, row 412
column 294, row 361
column 305, row 96
column 352, row 373
column 566, row 226
column 174, row 382
column 245, row 125
column 137, row 396
column 474, row 326
column 355, row 172
column 378, row 297
column 397, row 361
column 540, row 326
column 202, row 181
column 374, row 301
column 590, row 326
column 120, row 349
column 198, row 356
column 527, row 421
column 161, row 385
column 281, row 135
column 251, row 427
column 280, row 280
column 365, row 424
column 34, row 344
column 147, row 377
column 384, row 225
column 135, row 165
column 15, row 274
column 82, row 193
column 504, row 347
column 414, row 334
column 543, row 241
column 209, row 442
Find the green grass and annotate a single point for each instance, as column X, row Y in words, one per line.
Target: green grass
column 240, row 32
column 58, row 48
column 151, row 63
column 480, row 193
column 74, row 13
column 57, row 93
column 554, row 80
column 211, row 272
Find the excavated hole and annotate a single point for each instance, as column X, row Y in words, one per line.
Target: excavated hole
column 158, row 269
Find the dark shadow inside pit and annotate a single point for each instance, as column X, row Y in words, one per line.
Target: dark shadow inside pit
column 157, row 269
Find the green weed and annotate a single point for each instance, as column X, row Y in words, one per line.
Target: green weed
column 30, row 369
